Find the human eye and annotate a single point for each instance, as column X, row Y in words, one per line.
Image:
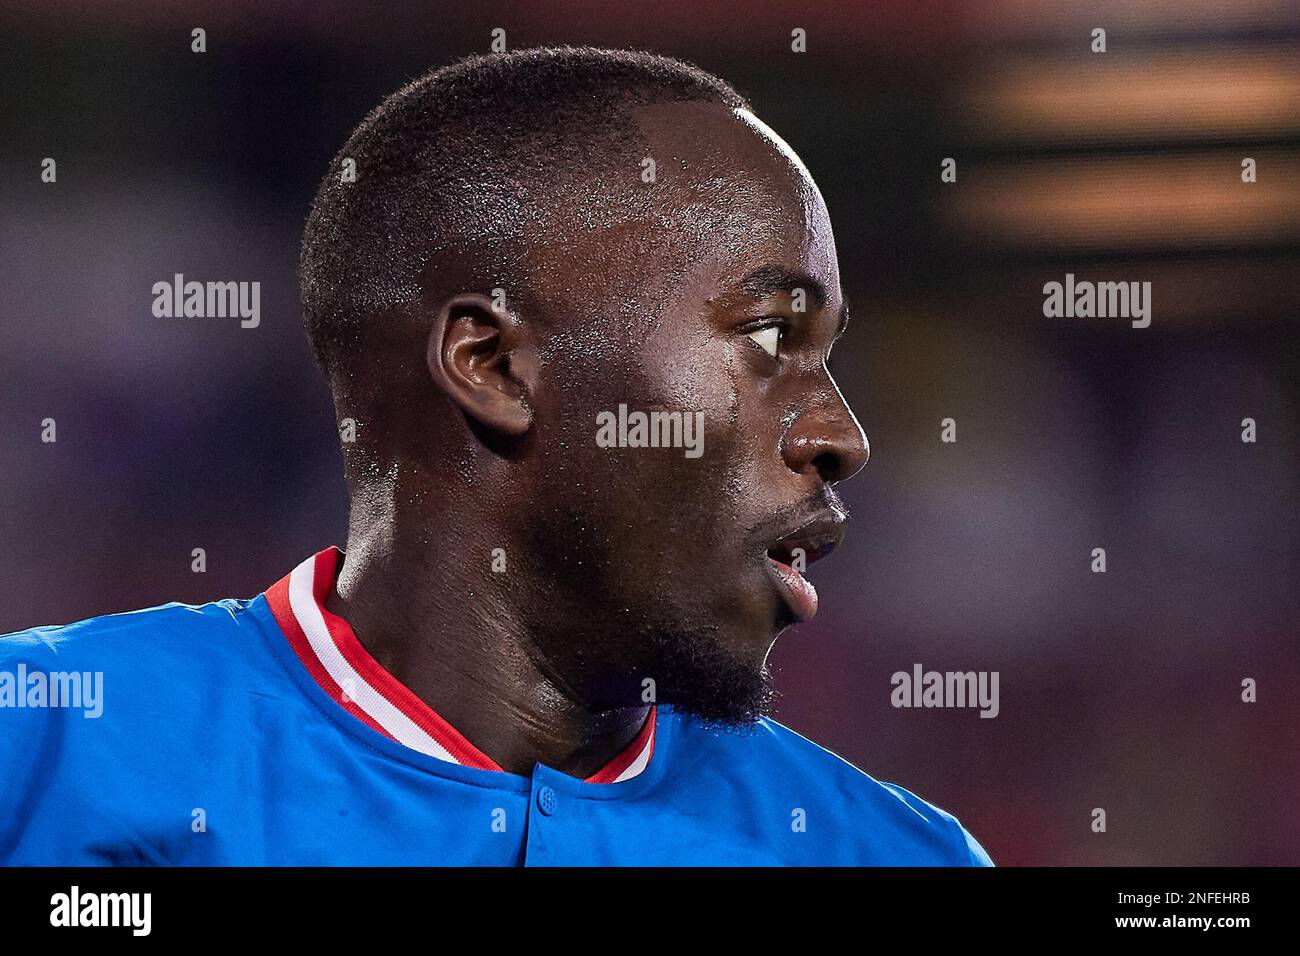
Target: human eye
column 768, row 336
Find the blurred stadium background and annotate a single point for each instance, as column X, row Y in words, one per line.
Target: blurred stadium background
column 1119, row 691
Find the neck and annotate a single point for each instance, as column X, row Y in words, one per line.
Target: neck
column 459, row 640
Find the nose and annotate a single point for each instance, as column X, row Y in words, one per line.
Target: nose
column 828, row 439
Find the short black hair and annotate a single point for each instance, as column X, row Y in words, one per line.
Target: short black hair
column 457, row 145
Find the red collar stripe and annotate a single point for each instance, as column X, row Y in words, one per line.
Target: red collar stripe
column 344, row 669
column 633, row 759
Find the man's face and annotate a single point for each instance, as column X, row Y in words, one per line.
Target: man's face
column 680, row 564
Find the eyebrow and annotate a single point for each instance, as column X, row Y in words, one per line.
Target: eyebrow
column 774, row 279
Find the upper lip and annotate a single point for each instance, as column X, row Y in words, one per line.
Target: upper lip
column 815, row 537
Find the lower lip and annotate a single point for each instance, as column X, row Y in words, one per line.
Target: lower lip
column 799, row 592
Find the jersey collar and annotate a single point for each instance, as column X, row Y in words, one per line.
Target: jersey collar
column 346, row 672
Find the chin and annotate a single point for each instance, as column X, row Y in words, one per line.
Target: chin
column 716, row 671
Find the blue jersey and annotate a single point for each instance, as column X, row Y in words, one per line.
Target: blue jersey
column 260, row 732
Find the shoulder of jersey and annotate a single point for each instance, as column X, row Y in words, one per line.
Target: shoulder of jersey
column 774, row 755
column 157, row 639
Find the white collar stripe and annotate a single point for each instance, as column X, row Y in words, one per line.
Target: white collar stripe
column 308, row 614
column 642, row 759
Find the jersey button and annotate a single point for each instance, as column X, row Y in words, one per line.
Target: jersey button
column 547, row 801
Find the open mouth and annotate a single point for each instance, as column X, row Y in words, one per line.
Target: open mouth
column 790, row 556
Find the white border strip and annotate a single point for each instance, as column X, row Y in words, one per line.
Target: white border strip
column 302, row 600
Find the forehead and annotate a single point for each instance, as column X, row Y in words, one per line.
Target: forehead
column 743, row 195
column 728, row 196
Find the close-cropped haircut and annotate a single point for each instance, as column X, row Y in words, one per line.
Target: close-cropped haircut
column 470, row 146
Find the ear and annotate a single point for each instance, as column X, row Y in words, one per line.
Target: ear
column 482, row 358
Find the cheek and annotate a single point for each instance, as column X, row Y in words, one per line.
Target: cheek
column 669, row 507
column 705, row 381
column 682, row 503
column 705, row 504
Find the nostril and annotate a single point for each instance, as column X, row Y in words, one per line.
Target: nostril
column 827, row 465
